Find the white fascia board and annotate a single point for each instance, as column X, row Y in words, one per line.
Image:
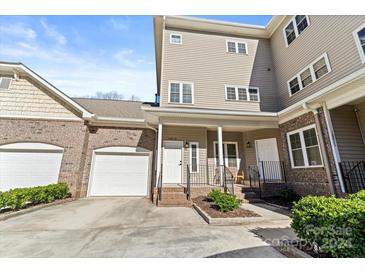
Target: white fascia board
column 130, row 122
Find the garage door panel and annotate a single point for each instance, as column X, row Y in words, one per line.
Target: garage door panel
column 28, row 169
column 119, row 175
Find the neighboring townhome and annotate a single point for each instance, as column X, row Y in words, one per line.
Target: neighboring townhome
column 282, row 104
column 253, row 109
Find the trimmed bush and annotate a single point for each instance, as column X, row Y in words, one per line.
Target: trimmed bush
column 360, row 195
column 19, row 198
column 225, row 202
column 334, row 225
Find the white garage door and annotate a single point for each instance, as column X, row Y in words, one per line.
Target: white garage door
column 28, row 165
column 119, row 174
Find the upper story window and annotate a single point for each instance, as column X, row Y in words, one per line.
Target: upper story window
column 175, row 39
column 5, row 82
column 181, row 93
column 359, row 35
column 310, row 74
column 295, row 27
column 236, row 47
column 304, row 148
column 240, row 93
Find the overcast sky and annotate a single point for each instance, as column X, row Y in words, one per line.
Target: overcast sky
column 82, row 55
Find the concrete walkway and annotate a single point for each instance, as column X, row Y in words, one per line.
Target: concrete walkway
column 128, row 227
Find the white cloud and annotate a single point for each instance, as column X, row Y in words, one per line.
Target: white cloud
column 118, row 23
column 17, row 30
column 53, row 33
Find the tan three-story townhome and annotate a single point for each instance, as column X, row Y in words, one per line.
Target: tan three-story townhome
column 282, row 104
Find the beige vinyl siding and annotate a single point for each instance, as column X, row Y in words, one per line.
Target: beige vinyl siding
column 24, row 98
column 203, row 60
column 347, row 132
column 361, row 114
column 330, row 34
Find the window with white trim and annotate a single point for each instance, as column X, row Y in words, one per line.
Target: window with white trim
column 181, row 93
column 359, row 35
column 5, row 82
column 175, row 39
column 236, row 47
column 310, row 74
column 194, row 157
column 240, row 93
column 304, row 148
column 295, row 27
column 230, row 154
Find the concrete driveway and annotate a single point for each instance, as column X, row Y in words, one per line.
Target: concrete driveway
column 125, row 227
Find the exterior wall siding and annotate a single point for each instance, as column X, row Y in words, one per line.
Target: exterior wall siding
column 25, row 98
column 67, row 134
column 331, row 34
column 361, row 114
column 100, row 137
column 348, row 136
column 203, row 60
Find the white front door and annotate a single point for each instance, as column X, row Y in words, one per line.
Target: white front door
column 267, row 152
column 172, row 162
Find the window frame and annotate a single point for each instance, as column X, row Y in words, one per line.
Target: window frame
column 236, row 47
column 311, row 69
column 358, row 44
column 297, row 34
column 303, row 147
column 247, row 88
column 225, row 156
column 191, row 156
column 181, row 83
column 177, row 34
column 11, row 81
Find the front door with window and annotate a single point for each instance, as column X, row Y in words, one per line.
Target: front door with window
column 172, row 162
column 268, row 158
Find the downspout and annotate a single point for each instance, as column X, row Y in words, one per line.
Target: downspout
column 323, row 149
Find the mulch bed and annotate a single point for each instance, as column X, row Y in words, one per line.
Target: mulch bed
column 213, row 211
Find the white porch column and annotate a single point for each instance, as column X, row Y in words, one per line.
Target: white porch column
column 159, row 151
column 220, row 154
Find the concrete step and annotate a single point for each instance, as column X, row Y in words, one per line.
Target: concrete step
column 173, row 195
column 174, row 189
column 174, row 203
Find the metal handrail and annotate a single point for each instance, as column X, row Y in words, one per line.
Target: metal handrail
column 354, row 175
column 188, row 183
column 229, row 180
column 159, row 186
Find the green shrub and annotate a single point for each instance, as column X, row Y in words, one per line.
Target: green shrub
column 334, row 225
column 290, row 196
column 225, row 202
column 358, row 195
column 20, row 197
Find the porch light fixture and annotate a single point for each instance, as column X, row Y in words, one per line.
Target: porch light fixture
column 248, row 145
column 186, row 144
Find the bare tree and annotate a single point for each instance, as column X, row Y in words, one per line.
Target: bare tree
column 134, row 98
column 111, row 95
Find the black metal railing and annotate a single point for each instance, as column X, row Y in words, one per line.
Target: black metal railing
column 159, row 187
column 188, row 183
column 229, row 180
column 353, row 173
column 255, row 180
column 272, row 171
column 203, row 175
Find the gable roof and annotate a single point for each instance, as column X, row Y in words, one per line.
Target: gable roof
column 18, row 68
column 112, row 108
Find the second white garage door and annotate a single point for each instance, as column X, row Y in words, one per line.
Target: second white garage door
column 119, row 174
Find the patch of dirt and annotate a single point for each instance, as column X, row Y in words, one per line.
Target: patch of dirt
column 213, row 211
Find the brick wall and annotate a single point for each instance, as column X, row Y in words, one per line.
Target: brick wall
column 307, row 180
column 100, row 137
column 67, row 134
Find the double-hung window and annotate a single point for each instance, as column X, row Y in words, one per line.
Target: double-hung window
column 236, row 47
column 295, row 27
column 230, row 154
column 304, row 148
column 313, row 72
column 194, row 157
column 5, row 82
column 359, row 35
column 240, row 93
column 181, row 93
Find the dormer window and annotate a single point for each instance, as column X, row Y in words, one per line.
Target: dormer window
column 5, row 82
column 236, row 47
column 295, row 27
column 175, row 39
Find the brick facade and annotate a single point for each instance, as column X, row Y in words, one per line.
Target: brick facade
column 100, row 137
column 307, row 180
column 66, row 134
